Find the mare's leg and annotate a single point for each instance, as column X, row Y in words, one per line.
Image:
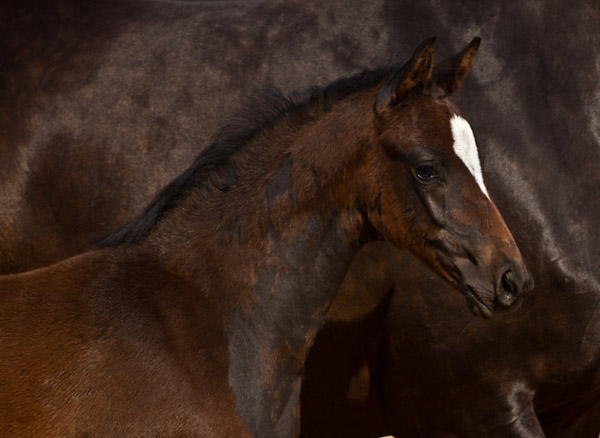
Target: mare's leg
column 463, row 410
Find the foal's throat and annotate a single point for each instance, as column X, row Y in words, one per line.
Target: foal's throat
column 307, row 244
column 268, row 342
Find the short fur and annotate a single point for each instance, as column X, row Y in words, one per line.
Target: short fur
column 200, row 321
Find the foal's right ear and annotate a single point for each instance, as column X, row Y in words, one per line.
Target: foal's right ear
column 449, row 74
column 417, row 71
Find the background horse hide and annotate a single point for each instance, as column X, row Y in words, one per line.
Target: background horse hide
column 102, row 103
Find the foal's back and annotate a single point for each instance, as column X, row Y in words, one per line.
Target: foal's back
column 96, row 325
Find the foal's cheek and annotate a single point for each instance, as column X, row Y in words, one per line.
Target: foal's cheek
column 436, row 205
column 431, row 205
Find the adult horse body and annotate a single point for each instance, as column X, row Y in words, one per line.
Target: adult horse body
column 199, row 322
column 103, row 103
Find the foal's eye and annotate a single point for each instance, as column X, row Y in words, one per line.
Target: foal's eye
column 426, row 173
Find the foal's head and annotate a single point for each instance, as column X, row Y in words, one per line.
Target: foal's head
column 432, row 184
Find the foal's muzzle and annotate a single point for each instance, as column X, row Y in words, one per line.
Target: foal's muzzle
column 510, row 282
column 492, row 278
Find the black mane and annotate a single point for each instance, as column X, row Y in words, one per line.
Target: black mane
column 215, row 159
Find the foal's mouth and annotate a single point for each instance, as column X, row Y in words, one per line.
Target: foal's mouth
column 474, row 299
column 476, row 305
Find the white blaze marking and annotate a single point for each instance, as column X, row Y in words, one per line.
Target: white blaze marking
column 466, row 148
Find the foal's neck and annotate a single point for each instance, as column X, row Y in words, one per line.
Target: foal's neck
column 287, row 235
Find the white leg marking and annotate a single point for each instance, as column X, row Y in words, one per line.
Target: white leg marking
column 466, row 148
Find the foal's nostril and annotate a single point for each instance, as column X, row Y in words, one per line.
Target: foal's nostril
column 507, row 293
column 507, row 282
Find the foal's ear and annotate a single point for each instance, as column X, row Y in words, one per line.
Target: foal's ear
column 449, row 74
column 416, row 71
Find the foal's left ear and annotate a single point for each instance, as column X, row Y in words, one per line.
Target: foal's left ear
column 449, row 74
column 417, row 71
